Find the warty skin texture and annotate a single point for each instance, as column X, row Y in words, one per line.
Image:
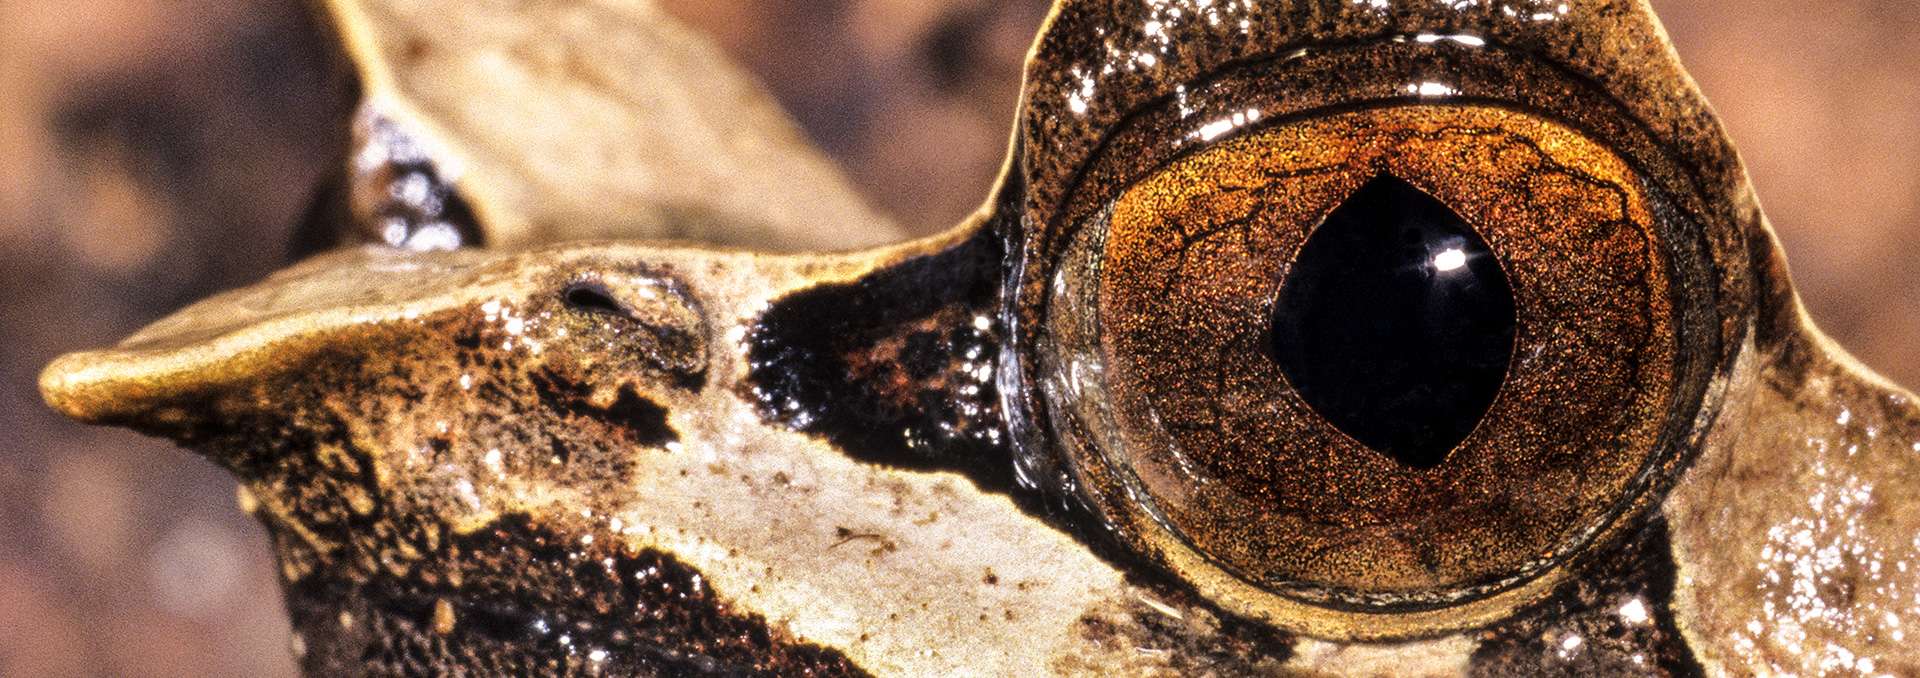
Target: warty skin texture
column 421, row 430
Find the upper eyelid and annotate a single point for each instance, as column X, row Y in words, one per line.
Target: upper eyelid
column 1067, row 185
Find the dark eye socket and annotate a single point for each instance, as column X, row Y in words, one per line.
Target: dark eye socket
column 1393, row 360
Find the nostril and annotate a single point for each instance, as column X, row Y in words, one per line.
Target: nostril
column 593, row 297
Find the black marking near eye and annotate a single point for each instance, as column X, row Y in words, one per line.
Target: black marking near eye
column 895, row 368
column 637, row 418
column 1396, row 323
column 644, row 421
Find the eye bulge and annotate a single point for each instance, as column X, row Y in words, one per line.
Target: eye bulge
column 1375, row 339
column 1274, row 478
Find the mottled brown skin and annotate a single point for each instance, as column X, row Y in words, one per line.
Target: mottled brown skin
column 559, row 457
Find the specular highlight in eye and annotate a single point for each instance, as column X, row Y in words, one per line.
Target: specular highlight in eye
column 1396, row 323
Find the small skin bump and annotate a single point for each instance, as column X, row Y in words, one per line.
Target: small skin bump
column 443, row 618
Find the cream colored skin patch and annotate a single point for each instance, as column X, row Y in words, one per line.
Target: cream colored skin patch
column 1797, row 542
column 1790, row 533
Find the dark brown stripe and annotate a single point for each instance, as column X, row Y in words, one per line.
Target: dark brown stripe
column 525, row 600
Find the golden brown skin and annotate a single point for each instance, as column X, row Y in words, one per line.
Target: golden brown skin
column 635, row 458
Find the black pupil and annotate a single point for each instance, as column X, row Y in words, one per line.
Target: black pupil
column 1396, row 323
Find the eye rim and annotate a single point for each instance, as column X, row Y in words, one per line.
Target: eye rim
column 1315, row 79
column 1161, row 323
column 1713, row 242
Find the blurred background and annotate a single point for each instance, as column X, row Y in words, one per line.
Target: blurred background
column 155, row 151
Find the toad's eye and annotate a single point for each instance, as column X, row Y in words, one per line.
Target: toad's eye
column 1381, row 362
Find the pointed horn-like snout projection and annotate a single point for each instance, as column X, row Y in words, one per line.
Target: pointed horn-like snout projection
column 1088, row 431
